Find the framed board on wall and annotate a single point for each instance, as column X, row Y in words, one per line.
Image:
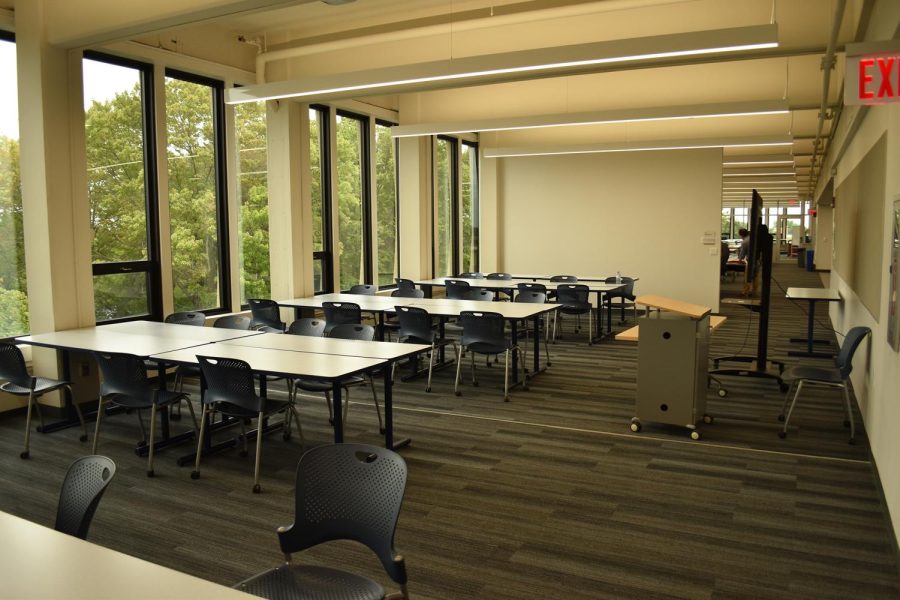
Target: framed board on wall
column 893, row 328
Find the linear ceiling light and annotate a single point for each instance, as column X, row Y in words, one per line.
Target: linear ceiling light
column 511, row 65
column 633, row 115
column 758, row 174
column 648, row 146
column 745, row 163
column 759, row 182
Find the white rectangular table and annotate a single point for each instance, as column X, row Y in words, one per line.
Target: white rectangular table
column 812, row 296
column 39, row 563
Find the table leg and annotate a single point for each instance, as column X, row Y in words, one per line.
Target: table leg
column 336, row 412
column 389, row 412
column 537, row 343
column 810, row 325
column 515, row 355
column 71, row 417
column 427, row 290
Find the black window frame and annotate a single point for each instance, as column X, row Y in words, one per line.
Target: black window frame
column 365, row 162
column 396, row 141
column 454, row 207
column 476, row 203
column 221, row 179
column 152, row 266
column 326, row 256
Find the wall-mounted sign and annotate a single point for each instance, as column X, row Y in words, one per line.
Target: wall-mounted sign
column 873, row 73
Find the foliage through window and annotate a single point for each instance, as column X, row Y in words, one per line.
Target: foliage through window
column 351, row 199
column 386, row 205
column 319, row 177
column 253, row 221
column 468, row 193
column 444, row 187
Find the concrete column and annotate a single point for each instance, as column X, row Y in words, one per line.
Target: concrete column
column 489, row 207
column 415, row 207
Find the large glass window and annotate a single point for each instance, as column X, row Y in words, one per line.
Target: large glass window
column 253, row 221
column 444, row 222
column 121, row 187
column 386, row 210
column 194, row 107
column 321, row 207
column 352, row 199
column 468, row 194
column 13, row 288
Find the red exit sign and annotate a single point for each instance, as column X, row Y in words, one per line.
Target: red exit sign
column 873, row 73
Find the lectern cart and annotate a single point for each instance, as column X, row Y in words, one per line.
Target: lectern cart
column 672, row 364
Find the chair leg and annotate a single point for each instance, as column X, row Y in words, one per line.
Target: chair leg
column 26, row 452
column 152, row 436
column 458, row 367
column 243, row 438
column 293, row 411
column 474, row 381
column 204, row 416
column 330, row 410
column 97, row 425
column 783, row 432
column 430, row 366
column 522, row 366
column 849, row 413
column 193, row 414
column 259, row 438
column 591, row 327
column 377, row 408
column 84, row 435
column 346, row 406
column 141, row 423
column 506, row 377
column 787, row 398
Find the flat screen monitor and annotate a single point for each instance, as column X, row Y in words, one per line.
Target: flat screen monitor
column 755, row 225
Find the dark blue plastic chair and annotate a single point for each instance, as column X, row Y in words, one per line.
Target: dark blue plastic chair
column 485, row 333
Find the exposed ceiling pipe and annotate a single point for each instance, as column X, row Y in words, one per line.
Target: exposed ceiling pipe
column 827, row 66
column 576, row 10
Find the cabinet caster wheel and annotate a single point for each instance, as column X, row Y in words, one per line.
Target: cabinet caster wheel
column 635, row 427
column 256, row 489
column 722, row 393
column 695, row 435
column 24, row 455
column 708, row 419
column 150, row 473
column 782, row 434
column 195, row 474
column 82, row 438
column 781, row 418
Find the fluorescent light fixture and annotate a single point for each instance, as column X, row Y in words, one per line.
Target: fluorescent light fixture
column 509, row 66
column 757, row 163
column 648, row 146
column 758, row 174
column 760, row 182
column 632, row 115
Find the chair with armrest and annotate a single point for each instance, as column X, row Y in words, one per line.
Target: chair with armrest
column 391, row 324
column 125, row 384
column 82, row 488
column 265, row 312
column 18, row 382
column 485, row 333
column 557, row 279
column 507, row 292
column 417, row 327
column 341, row 313
column 230, row 390
column 836, row 377
column 625, row 295
column 403, row 283
column 456, row 289
column 534, row 297
column 574, row 299
column 343, row 492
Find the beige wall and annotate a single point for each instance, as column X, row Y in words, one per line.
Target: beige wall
column 876, row 370
column 641, row 213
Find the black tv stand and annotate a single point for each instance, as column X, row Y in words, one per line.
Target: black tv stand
column 759, row 366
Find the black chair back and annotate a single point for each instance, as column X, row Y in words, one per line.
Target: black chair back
column 126, row 376
column 531, row 297
column 363, row 289
column 350, row 331
column 233, row 322
column 265, row 312
column 573, row 295
column 483, row 329
column 229, row 380
column 852, row 340
column 471, row 275
column 307, row 326
column 82, row 488
column 455, row 289
column 348, row 492
column 564, row 279
column 408, row 293
column 12, row 366
column 415, row 325
column 341, row 313
column 403, row 284
column 526, row 286
column 500, row 276
column 626, row 292
column 483, row 295
column 187, row 318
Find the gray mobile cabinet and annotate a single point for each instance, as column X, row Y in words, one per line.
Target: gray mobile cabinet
column 672, row 371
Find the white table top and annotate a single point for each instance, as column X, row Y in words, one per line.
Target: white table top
column 512, row 283
column 176, row 331
column 286, row 363
column 37, row 562
column 596, row 278
column 822, row 294
column 367, row 303
column 102, row 340
column 510, row 310
column 323, row 345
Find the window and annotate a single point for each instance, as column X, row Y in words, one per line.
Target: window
column 320, row 182
column 352, row 199
column 13, row 288
column 121, row 187
column 387, row 203
column 253, row 220
column 194, row 108
column 445, row 200
column 468, row 193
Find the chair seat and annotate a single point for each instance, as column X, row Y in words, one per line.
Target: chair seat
column 822, row 374
column 484, row 348
column 575, row 309
column 233, row 410
column 42, row 386
column 163, row 398
column 316, row 385
column 296, row 582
